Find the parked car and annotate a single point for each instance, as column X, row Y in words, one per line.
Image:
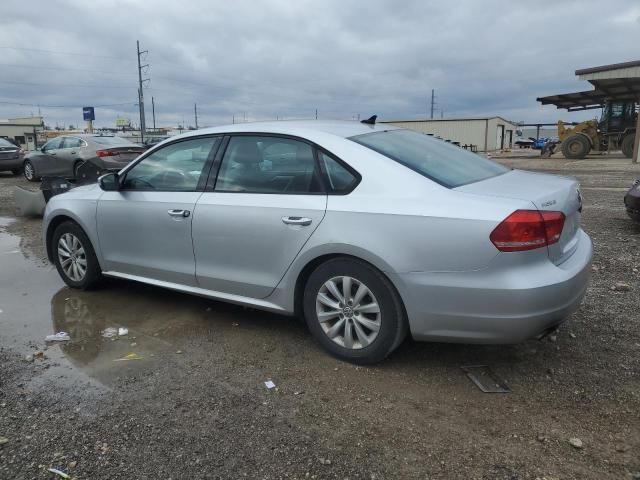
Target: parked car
column 367, row 231
column 632, row 200
column 521, row 142
column 62, row 156
column 152, row 142
column 10, row 156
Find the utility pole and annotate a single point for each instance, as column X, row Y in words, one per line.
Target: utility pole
column 316, row 113
column 153, row 112
column 195, row 112
column 441, row 114
column 433, row 98
column 140, row 94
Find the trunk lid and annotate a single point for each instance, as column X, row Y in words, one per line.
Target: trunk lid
column 7, row 153
column 545, row 192
column 123, row 154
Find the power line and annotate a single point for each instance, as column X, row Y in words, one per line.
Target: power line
column 57, row 52
column 40, row 67
column 65, row 106
column 63, row 85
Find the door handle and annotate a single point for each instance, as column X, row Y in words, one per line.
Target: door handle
column 178, row 213
column 303, row 221
column 73, row 153
column 53, row 154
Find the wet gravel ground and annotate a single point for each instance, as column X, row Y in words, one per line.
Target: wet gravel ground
column 193, row 404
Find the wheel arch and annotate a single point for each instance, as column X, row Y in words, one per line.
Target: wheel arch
column 311, row 264
column 58, row 219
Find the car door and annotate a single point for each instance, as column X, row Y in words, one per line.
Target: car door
column 68, row 156
column 267, row 200
column 46, row 162
column 144, row 229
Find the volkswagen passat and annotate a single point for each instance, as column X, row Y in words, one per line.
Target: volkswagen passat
column 368, row 231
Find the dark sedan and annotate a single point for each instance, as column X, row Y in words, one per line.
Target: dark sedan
column 63, row 156
column 10, row 157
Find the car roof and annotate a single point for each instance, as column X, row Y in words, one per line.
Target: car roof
column 300, row 128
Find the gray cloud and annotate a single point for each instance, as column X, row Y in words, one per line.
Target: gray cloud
column 285, row 59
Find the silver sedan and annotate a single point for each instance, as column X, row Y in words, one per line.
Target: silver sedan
column 369, row 232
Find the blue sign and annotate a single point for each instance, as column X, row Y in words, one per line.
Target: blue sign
column 88, row 113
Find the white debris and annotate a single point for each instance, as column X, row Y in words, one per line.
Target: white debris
column 122, row 331
column 58, row 337
column 269, row 384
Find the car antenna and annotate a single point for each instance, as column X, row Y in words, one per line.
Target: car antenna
column 370, row 121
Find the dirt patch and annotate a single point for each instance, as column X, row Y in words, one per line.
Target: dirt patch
column 196, row 406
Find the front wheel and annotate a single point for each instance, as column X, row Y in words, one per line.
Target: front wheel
column 74, row 256
column 575, row 147
column 354, row 311
column 30, row 172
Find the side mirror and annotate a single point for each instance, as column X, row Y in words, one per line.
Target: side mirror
column 42, row 149
column 109, row 182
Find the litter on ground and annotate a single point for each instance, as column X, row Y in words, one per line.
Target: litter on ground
column 58, row 337
column 129, row 356
column 485, row 379
column 269, row 384
column 58, row 473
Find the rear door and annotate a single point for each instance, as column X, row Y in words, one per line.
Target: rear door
column 145, row 228
column 267, row 201
column 68, row 155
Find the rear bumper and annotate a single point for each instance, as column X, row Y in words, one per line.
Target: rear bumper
column 10, row 163
column 508, row 302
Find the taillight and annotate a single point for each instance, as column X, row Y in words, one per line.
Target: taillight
column 106, row 153
column 527, row 230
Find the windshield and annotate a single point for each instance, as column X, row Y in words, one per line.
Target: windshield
column 113, row 141
column 436, row 159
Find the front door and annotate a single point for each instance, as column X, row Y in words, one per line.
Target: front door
column 267, row 201
column 47, row 163
column 144, row 229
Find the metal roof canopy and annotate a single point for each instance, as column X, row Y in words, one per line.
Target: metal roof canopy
column 619, row 81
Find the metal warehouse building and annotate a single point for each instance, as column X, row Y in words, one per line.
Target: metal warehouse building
column 485, row 134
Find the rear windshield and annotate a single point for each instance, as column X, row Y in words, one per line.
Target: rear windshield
column 436, row 159
column 6, row 143
column 113, row 141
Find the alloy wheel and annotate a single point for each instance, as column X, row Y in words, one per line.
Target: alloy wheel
column 348, row 312
column 72, row 257
column 29, row 171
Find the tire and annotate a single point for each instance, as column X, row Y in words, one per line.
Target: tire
column 351, row 334
column 576, row 147
column 627, row 145
column 84, row 252
column 76, row 166
column 30, row 172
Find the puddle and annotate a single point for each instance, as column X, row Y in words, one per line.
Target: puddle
column 35, row 303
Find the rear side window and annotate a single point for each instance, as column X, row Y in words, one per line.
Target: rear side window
column 437, row 160
column 71, row 142
column 6, row 143
column 53, row 144
column 340, row 179
column 255, row 164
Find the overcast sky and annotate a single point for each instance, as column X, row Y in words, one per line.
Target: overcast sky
column 285, row 58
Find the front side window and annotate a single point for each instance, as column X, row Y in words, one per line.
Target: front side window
column 255, row 164
column 435, row 159
column 178, row 167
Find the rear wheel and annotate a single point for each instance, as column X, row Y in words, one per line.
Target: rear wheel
column 576, row 147
column 354, row 311
column 30, row 172
column 74, row 256
column 627, row 145
column 76, row 167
